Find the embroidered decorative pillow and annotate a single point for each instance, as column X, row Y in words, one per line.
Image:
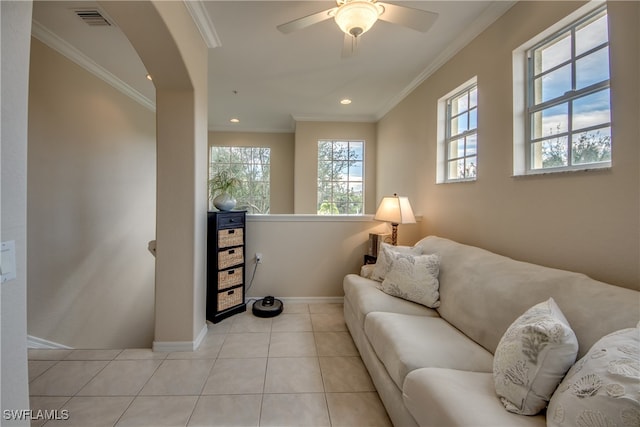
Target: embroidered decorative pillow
column 533, row 355
column 383, row 263
column 414, row 278
column 602, row 388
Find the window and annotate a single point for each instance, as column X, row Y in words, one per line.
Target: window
column 461, row 135
column 457, row 128
column 251, row 165
column 340, row 177
column 568, row 107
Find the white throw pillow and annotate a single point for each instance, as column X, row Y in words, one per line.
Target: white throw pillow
column 602, row 388
column 533, row 355
column 383, row 263
column 414, row 278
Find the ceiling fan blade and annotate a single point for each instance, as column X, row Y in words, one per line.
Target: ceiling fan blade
column 349, row 45
column 306, row 21
column 417, row 19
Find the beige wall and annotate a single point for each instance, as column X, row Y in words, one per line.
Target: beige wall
column 306, row 160
column 91, row 209
column 16, row 28
column 305, row 256
column 586, row 222
column 282, row 156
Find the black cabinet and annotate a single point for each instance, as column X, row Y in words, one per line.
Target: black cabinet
column 225, row 264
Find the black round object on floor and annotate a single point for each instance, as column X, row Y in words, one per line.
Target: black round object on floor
column 267, row 307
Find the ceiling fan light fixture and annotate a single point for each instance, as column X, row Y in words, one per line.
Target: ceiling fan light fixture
column 357, row 17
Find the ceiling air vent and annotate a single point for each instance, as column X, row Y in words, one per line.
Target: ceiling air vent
column 92, row 17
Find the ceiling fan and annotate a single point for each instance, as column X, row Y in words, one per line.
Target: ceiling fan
column 356, row 17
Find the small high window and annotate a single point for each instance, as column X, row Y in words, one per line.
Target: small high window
column 568, row 106
column 458, row 134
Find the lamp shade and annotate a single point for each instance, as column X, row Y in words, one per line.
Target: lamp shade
column 396, row 210
column 357, row 17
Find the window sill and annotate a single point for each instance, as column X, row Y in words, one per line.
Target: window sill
column 591, row 169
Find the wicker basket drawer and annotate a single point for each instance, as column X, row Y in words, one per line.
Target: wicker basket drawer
column 230, row 257
column 230, row 237
column 229, row 278
column 230, row 298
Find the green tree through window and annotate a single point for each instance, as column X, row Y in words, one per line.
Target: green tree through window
column 340, row 177
column 252, row 166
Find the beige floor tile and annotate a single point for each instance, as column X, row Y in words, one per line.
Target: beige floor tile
column 46, row 354
column 45, row 403
column 345, row 374
column 121, row 378
column 141, row 353
column 93, row 411
column 209, row 349
column 247, row 322
column 293, row 375
column 357, row 409
column 326, row 308
column 292, row 344
column 38, row 367
column 245, row 345
column 295, row 308
column 236, row 376
column 227, row 411
column 295, row 410
column 178, row 378
column 158, row 411
column 335, row 344
column 93, row 354
column 221, row 327
column 66, row 378
column 328, row 322
column 293, row 322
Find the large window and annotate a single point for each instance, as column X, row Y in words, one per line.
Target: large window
column 568, row 115
column 251, row 165
column 461, row 135
column 340, row 177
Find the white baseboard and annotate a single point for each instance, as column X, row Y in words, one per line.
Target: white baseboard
column 171, row 346
column 35, row 342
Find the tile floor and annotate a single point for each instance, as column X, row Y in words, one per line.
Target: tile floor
column 298, row 369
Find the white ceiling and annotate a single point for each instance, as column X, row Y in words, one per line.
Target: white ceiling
column 280, row 78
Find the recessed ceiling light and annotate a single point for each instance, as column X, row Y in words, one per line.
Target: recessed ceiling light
column 345, row 101
column 149, row 77
column 235, row 120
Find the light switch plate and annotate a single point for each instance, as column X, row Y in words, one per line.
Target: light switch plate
column 8, row 261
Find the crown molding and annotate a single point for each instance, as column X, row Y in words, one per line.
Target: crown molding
column 491, row 14
column 56, row 43
column 202, row 20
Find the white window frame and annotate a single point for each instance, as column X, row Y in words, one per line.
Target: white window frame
column 523, row 93
column 251, row 197
column 445, row 136
column 348, row 180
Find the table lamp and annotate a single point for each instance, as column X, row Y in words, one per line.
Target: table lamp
column 396, row 210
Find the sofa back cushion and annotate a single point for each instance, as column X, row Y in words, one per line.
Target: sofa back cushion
column 482, row 293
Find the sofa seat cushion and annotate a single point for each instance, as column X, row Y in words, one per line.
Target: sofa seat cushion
column 404, row 342
column 449, row 397
column 365, row 297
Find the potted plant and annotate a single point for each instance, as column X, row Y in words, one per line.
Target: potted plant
column 221, row 189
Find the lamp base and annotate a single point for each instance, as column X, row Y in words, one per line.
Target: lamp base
column 394, row 234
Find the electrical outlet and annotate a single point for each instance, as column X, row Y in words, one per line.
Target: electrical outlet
column 258, row 258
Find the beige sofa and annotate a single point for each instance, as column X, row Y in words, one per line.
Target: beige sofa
column 433, row 367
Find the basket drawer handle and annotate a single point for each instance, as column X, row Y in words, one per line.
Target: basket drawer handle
column 232, row 231
column 230, row 272
column 232, row 251
column 231, row 292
